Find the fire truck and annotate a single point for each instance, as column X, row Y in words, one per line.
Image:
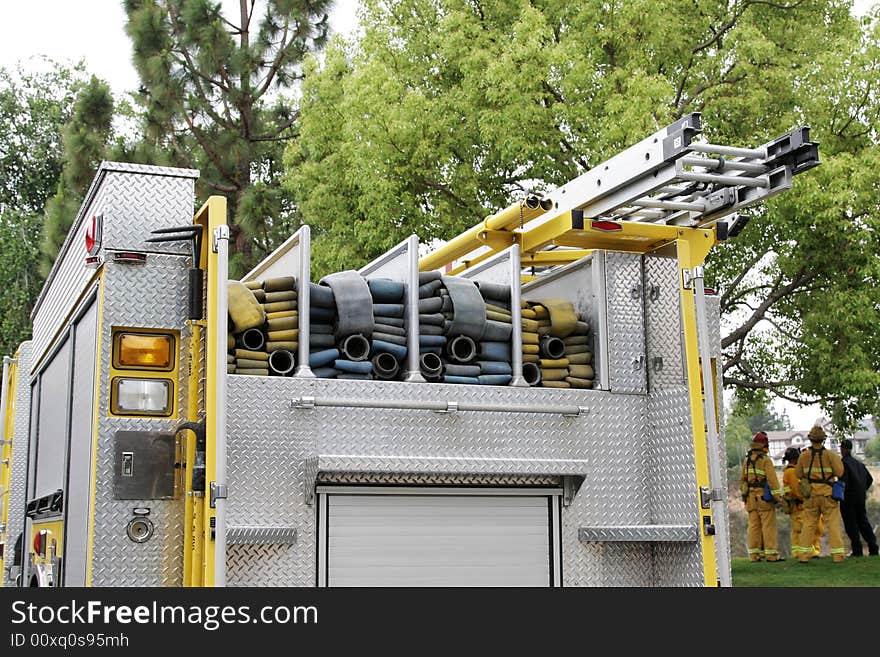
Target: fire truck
column 133, row 457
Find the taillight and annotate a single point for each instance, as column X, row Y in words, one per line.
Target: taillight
column 41, row 541
column 605, row 226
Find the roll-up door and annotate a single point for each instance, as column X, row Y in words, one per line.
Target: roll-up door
column 438, row 540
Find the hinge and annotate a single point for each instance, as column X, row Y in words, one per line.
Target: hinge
column 698, row 272
column 686, row 279
column 220, row 233
column 218, row 492
column 709, row 495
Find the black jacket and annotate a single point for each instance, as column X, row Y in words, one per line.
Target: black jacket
column 858, row 479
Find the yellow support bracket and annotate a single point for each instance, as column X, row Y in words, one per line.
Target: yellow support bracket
column 693, row 246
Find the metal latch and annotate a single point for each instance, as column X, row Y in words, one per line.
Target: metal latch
column 218, row 492
column 220, row 233
column 302, row 402
column 451, row 407
column 709, row 495
column 581, row 410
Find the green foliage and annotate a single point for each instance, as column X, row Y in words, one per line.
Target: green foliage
column 872, row 449
column 212, row 90
column 85, row 139
column 33, row 110
column 749, row 414
column 447, row 110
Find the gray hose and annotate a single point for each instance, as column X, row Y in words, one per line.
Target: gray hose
column 354, row 303
column 431, row 366
column 428, row 276
column 385, row 366
column 497, row 291
column 428, row 289
column 252, row 339
column 462, row 370
column 551, row 347
column 462, row 349
column 498, row 331
column 469, row 318
column 531, row 373
column 355, row 347
column 281, row 363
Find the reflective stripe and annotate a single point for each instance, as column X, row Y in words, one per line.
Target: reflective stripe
column 776, row 491
column 755, row 550
column 786, row 489
column 838, row 550
column 771, row 552
column 798, row 548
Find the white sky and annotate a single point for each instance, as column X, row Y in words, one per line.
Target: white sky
column 93, row 30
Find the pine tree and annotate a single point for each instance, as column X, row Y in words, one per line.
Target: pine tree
column 213, row 86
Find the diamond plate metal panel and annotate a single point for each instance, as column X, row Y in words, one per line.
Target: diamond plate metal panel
column 663, row 333
column 261, row 564
column 257, row 535
column 271, row 442
column 159, row 287
column 645, row 533
column 713, row 317
column 135, row 204
column 396, row 467
column 626, row 322
column 673, row 483
column 20, row 441
column 134, row 199
column 433, row 479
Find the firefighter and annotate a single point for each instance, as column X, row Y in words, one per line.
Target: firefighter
column 795, row 500
column 817, row 469
column 756, row 472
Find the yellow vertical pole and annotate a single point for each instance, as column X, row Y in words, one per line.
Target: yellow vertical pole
column 192, row 566
column 215, row 336
column 692, row 250
column 10, row 367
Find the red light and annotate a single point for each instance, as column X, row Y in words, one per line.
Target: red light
column 40, row 542
column 605, row 226
column 94, row 234
column 130, row 257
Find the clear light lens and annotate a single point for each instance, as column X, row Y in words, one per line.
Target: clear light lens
column 147, row 396
column 144, row 350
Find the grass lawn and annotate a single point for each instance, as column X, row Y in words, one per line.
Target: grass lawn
column 864, row 571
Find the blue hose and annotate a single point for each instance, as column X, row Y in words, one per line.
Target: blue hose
column 388, row 310
column 396, row 350
column 384, row 290
column 325, row 372
column 494, row 367
column 353, row 366
column 323, row 357
column 461, row 379
column 494, row 351
column 432, row 340
column 321, row 314
column 494, row 379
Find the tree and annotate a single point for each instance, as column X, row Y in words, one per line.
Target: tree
column 446, row 110
column 33, row 110
column 750, row 412
column 212, row 89
column 85, row 137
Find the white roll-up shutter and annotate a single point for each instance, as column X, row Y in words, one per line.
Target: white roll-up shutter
column 438, row 540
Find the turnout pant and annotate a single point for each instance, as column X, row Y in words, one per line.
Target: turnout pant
column 827, row 508
column 762, row 539
column 797, row 524
column 855, row 521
